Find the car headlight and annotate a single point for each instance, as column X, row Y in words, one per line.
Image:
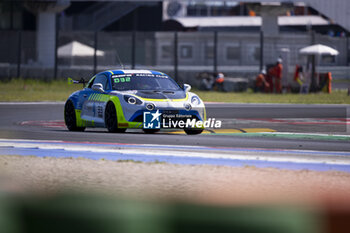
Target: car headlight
column 195, row 100
column 132, row 99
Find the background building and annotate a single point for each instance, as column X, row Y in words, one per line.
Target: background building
column 211, row 36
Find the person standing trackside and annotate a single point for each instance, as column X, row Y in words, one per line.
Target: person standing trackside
column 261, row 85
column 278, row 75
column 269, row 79
column 219, row 82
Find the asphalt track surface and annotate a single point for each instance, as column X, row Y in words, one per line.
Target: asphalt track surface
column 244, row 115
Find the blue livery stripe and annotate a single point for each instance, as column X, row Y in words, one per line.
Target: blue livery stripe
column 156, row 72
column 118, row 72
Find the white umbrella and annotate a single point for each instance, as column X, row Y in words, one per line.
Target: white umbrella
column 318, row 49
column 76, row 48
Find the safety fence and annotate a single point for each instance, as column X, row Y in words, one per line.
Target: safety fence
column 183, row 55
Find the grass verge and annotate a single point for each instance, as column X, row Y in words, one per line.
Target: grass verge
column 35, row 90
column 337, row 97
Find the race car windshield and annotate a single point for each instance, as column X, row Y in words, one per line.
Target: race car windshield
column 143, row 82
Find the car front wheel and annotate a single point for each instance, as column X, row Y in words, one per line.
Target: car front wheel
column 111, row 120
column 150, row 131
column 193, row 131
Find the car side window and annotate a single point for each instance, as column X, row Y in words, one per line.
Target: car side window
column 107, row 85
column 101, row 78
column 89, row 85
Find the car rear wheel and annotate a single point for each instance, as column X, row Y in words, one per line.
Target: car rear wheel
column 70, row 118
column 193, row 131
column 111, row 120
column 150, row 131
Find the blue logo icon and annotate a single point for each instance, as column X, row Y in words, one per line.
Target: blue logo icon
column 151, row 120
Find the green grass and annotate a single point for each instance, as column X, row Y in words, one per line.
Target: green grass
column 34, row 90
column 337, row 97
column 341, row 81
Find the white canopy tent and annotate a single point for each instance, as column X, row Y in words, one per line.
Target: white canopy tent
column 76, row 53
column 76, row 48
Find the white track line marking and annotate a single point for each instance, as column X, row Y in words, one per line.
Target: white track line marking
column 192, row 152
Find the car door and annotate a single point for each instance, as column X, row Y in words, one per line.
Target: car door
column 84, row 99
column 93, row 107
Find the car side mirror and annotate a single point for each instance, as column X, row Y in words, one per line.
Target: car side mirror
column 97, row 87
column 187, row 87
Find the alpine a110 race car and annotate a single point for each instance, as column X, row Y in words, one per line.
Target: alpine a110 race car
column 137, row 99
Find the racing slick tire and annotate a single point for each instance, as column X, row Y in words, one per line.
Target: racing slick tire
column 193, row 131
column 111, row 120
column 70, row 118
column 150, row 131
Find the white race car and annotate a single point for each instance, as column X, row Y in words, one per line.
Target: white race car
column 144, row 99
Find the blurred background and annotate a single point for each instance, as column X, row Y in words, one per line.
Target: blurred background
column 52, row 39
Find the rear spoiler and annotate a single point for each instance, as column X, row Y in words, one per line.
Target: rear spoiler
column 72, row 81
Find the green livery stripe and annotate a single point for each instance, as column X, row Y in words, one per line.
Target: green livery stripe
column 119, row 110
column 134, row 125
column 204, row 114
column 99, row 97
column 79, row 121
column 120, row 114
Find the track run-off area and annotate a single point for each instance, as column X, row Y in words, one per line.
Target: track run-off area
column 314, row 137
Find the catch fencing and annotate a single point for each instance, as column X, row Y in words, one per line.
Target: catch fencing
column 183, row 55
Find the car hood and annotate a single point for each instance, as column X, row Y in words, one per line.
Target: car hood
column 161, row 94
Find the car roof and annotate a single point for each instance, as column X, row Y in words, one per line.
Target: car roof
column 112, row 72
